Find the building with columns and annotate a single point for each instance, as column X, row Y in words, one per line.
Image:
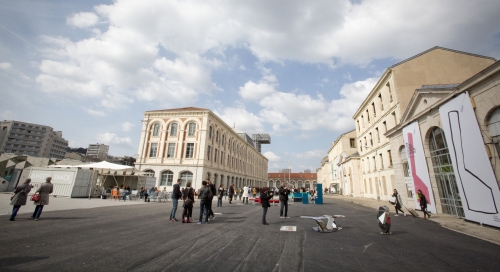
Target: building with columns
column 305, row 180
column 386, row 103
column 194, row 144
column 448, row 145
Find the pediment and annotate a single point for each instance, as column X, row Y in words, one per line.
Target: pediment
column 422, row 100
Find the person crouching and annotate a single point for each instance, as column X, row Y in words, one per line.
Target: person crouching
column 265, row 195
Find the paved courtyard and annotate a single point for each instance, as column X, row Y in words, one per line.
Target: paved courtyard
column 135, row 236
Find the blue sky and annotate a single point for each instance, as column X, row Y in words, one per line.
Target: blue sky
column 296, row 70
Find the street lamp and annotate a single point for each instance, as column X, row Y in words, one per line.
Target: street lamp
column 289, row 172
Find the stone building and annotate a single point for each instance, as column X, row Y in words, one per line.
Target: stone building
column 293, row 180
column 447, row 145
column 384, row 106
column 22, row 138
column 194, row 144
column 98, row 151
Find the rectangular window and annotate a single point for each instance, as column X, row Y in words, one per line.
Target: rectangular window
column 153, row 150
column 190, row 150
column 385, row 126
column 221, row 157
column 394, row 117
column 191, row 129
column 209, row 149
column 374, row 111
column 378, row 134
column 359, row 128
column 368, row 115
column 381, row 161
column 360, row 146
column 215, row 155
column 374, row 164
column 381, row 102
column 389, row 90
column 363, row 121
column 171, row 150
column 352, row 141
column 371, row 139
column 173, row 129
column 390, row 158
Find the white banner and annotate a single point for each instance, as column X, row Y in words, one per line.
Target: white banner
column 475, row 178
column 418, row 165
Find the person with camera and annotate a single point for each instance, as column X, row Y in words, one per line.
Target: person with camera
column 284, row 192
column 265, row 195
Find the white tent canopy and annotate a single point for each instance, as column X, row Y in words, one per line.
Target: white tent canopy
column 104, row 165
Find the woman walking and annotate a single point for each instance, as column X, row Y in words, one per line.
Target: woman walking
column 20, row 197
column 423, row 204
column 44, row 190
column 398, row 202
column 188, row 197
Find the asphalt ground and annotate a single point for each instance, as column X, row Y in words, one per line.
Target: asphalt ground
column 130, row 237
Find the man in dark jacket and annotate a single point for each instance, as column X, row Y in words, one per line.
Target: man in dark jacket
column 265, row 195
column 284, row 192
column 214, row 192
column 176, row 194
column 204, row 196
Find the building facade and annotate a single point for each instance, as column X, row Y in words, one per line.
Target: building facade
column 341, row 174
column 22, row 138
column 293, row 180
column 447, row 145
column 98, row 151
column 194, row 144
column 383, row 108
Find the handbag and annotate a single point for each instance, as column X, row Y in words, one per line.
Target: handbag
column 35, row 197
column 188, row 202
column 392, row 200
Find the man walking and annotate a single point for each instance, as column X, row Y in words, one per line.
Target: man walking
column 204, row 196
column 284, row 192
column 176, row 194
column 211, row 186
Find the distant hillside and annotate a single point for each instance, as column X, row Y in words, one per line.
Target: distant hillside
column 80, row 150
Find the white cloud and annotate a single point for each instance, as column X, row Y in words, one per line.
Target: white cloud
column 288, row 111
column 271, row 156
column 127, row 126
column 83, row 19
column 244, row 120
column 95, row 112
column 7, row 115
column 111, row 138
column 317, row 153
column 7, row 68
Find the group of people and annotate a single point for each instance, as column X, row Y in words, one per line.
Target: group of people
column 384, row 216
column 20, row 197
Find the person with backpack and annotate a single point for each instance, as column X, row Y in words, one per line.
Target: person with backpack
column 220, row 195
column 188, row 197
column 204, row 196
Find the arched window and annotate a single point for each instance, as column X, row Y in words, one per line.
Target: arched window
column 210, row 133
column 173, row 129
column 223, row 139
column 156, row 129
column 217, row 136
column 494, row 128
column 191, row 129
column 166, row 178
column 149, row 173
column 186, row 176
column 451, row 202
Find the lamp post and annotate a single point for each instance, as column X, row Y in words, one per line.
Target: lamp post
column 289, row 172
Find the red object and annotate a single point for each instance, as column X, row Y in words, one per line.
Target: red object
column 419, row 184
column 257, row 199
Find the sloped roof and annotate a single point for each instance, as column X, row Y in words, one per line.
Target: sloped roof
column 181, row 109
